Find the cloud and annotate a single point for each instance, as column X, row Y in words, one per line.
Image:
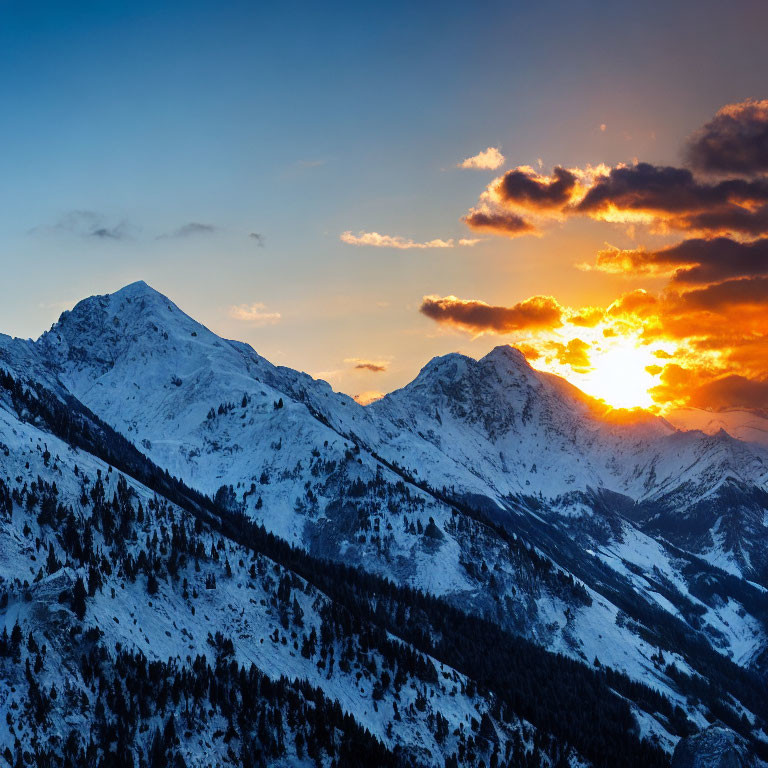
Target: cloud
column 703, row 336
column 526, row 188
column 488, row 160
column 536, row 313
column 90, row 224
column 691, row 261
column 375, row 240
column 664, row 198
column 498, row 223
column 638, row 303
column 726, row 296
column 190, row 229
column 573, row 354
column 734, row 141
column 667, row 198
column 700, row 388
column 511, row 201
column 361, row 364
column 258, row 238
column 255, row 314
column 587, row 317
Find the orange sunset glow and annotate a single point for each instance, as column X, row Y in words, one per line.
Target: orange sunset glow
column 687, row 324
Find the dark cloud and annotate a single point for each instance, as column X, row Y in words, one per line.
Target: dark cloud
column 364, row 364
column 84, row 223
column 701, row 388
column 190, row 229
column 258, row 238
column 731, row 391
column 526, row 188
column 498, row 223
column 726, row 296
column 536, row 313
column 695, row 261
column 673, row 198
column 734, row 141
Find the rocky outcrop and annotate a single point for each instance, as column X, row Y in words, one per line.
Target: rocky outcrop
column 715, row 747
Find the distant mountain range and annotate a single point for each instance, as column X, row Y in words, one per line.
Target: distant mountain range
column 227, row 562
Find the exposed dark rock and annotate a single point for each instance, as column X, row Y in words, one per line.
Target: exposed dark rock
column 715, row 747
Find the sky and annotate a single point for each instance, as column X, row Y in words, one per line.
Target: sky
column 354, row 188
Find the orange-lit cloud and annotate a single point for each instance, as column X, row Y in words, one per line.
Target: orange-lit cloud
column 574, row 354
column 691, row 261
column 668, row 198
column 487, row 160
column 587, row 317
column 663, row 198
column 535, row 313
column 702, row 339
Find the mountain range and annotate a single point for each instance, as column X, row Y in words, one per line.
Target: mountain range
column 212, row 560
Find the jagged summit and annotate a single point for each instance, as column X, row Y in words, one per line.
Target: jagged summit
column 508, row 354
column 497, row 487
column 494, row 427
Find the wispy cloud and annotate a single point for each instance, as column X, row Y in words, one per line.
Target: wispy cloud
column 190, row 229
column 85, row 223
column 376, row 240
column 254, row 314
column 362, row 364
column 488, row 160
column 258, row 238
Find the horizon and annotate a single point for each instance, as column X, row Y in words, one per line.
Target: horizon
column 683, row 418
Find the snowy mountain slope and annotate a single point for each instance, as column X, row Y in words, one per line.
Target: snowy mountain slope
column 68, row 517
column 529, row 466
column 744, row 425
column 497, row 428
column 206, row 409
column 159, row 584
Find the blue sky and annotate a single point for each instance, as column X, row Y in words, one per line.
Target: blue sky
column 300, row 121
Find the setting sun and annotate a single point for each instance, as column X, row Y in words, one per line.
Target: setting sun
column 615, row 370
column 619, row 375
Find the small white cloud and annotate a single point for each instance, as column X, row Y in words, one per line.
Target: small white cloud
column 254, row 314
column 488, row 160
column 376, row 240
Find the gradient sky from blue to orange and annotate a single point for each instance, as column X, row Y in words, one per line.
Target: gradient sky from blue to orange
column 303, row 121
